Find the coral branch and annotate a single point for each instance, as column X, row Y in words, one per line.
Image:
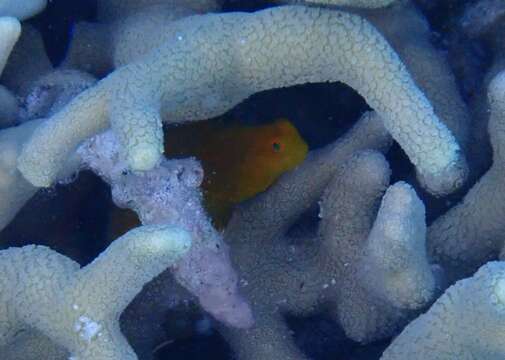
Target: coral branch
column 295, row 193
column 367, row 4
column 410, row 34
column 377, row 285
column 334, row 270
column 21, row 9
column 259, row 225
column 48, row 94
column 10, row 29
column 15, row 191
column 464, row 323
column 395, row 266
column 78, row 309
column 331, row 239
column 471, row 232
column 480, row 16
column 186, row 79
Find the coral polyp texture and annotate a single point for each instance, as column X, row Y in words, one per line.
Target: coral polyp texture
column 10, row 30
column 450, row 330
column 366, row 4
column 21, row 9
column 218, row 60
column 476, row 223
column 386, row 238
column 339, row 267
column 46, row 293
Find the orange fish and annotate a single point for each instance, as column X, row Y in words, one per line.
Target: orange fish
column 238, row 161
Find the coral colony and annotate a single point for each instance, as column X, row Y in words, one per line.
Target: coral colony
column 370, row 264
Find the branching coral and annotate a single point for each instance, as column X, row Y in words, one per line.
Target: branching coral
column 471, row 233
column 355, row 3
column 260, row 221
column 10, row 29
column 409, row 34
column 51, row 91
column 29, row 46
column 465, row 323
column 363, row 263
column 14, row 189
column 220, row 60
column 43, row 291
column 48, row 94
column 21, row 9
column 480, row 16
column 370, row 289
column 366, row 4
column 335, row 270
column 114, row 40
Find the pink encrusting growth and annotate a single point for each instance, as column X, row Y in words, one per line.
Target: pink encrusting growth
column 170, row 194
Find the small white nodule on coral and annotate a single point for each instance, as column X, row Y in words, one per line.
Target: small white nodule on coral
column 49, row 289
column 87, row 328
column 499, row 290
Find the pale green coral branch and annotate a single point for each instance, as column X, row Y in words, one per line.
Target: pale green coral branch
column 465, row 323
column 15, row 191
column 79, row 309
column 21, row 9
column 49, row 93
column 395, row 266
column 366, row 4
column 471, row 232
column 10, row 29
column 219, row 60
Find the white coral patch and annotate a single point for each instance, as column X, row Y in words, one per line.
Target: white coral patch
column 499, row 290
column 87, row 328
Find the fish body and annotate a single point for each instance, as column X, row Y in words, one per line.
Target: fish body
column 238, row 161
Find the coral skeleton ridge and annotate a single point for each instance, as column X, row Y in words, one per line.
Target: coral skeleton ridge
column 327, row 271
column 465, row 323
column 45, row 292
column 10, row 30
column 21, row 9
column 183, row 80
column 386, row 242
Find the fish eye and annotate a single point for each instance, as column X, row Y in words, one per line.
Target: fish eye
column 276, row 146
